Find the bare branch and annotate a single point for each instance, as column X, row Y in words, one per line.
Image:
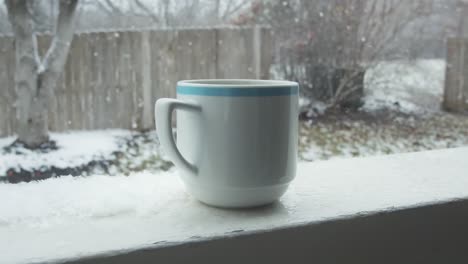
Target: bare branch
column 147, row 10
column 227, row 8
column 383, row 23
column 109, row 7
column 57, row 53
column 231, row 10
column 462, row 26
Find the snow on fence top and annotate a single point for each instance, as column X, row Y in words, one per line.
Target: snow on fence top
column 148, row 28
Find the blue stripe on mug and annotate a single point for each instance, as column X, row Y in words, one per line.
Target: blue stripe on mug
column 240, row 92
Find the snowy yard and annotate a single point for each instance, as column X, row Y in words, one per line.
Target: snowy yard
column 83, row 153
column 74, row 149
column 367, row 134
column 401, row 114
column 413, row 87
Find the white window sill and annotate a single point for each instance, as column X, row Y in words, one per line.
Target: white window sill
column 362, row 208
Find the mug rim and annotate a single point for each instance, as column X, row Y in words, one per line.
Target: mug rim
column 238, row 83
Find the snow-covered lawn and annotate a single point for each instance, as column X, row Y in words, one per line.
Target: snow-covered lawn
column 405, row 86
column 414, row 86
column 367, row 134
column 401, row 113
column 75, row 148
column 83, row 153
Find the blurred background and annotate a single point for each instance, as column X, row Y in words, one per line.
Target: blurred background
column 78, row 79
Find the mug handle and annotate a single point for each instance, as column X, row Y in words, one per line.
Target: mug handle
column 163, row 114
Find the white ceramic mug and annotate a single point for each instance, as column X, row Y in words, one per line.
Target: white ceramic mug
column 236, row 139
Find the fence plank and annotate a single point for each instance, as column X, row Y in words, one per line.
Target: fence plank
column 163, row 59
column 465, row 74
column 137, row 80
column 235, row 54
column 147, row 109
column 456, row 81
column 267, row 49
column 85, row 85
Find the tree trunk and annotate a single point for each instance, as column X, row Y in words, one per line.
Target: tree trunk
column 35, row 81
column 31, row 113
column 33, row 125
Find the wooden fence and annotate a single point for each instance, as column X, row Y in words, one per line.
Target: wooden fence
column 112, row 79
column 456, row 78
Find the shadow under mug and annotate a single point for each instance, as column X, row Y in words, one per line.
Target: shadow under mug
column 236, row 139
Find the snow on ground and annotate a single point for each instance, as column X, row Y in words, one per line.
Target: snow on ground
column 368, row 136
column 414, row 88
column 407, row 86
column 410, row 86
column 75, row 149
column 141, row 152
column 67, row 199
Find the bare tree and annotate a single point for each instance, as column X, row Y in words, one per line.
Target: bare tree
column 171, row 13
column 246, row 10
column 36, row 77
column 165, row 7
column 147, row 10
column 462, row 27
column 327, row 45
column 127, row 15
